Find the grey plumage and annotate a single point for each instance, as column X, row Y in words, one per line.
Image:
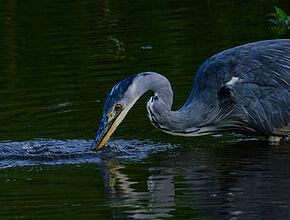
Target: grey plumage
column 245, row 88
column 261, row 93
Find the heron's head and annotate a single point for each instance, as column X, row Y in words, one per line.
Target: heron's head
column 119, row 101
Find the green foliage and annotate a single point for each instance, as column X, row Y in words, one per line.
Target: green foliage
column 280, row 21
column 280, row 16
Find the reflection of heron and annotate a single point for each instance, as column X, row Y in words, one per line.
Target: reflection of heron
column 156, row 201
column 245, row 88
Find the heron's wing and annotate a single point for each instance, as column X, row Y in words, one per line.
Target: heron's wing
column 266, row 108
column 258, row 58
column 262, row 88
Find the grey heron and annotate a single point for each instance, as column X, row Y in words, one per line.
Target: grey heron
column 245, row 88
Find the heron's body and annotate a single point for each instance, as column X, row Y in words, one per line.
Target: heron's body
column 245, row 88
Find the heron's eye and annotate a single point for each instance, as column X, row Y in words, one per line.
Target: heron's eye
column 118, row 107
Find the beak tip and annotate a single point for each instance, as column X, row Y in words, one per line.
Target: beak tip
column 95, row 147
column 104, row 132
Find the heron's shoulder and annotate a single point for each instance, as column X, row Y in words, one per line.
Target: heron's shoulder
column 273, row 56
column 238, row 60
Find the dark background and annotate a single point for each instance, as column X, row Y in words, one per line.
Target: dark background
column 58, row 61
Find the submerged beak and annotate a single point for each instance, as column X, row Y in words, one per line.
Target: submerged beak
column 106, row 129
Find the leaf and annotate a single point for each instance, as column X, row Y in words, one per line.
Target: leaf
column 280, row 13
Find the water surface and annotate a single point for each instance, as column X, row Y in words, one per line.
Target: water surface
column 58, row 61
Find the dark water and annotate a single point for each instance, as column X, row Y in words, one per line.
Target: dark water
column 59, row 59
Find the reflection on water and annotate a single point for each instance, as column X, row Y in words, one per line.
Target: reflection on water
column 58, row 62
column 159, row 195
column 247, row 180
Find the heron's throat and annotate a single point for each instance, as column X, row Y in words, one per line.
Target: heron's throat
column 172, row 122
column 193, row 120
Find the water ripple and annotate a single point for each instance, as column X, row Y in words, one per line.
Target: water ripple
column 51, row 151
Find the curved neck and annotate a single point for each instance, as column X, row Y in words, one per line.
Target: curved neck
column 159, row 105
column 155, row 82
column 195, row 118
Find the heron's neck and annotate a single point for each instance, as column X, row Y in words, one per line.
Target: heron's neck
column 184, row 121
column 155, row 82
column 159, row 105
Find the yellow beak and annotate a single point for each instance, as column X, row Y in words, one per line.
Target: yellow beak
column 105, row 130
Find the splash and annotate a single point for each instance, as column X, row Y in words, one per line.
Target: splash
column 53, row 152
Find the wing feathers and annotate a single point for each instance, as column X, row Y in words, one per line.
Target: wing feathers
column 261, row 87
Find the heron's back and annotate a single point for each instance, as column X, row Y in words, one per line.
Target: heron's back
column 255, row 79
